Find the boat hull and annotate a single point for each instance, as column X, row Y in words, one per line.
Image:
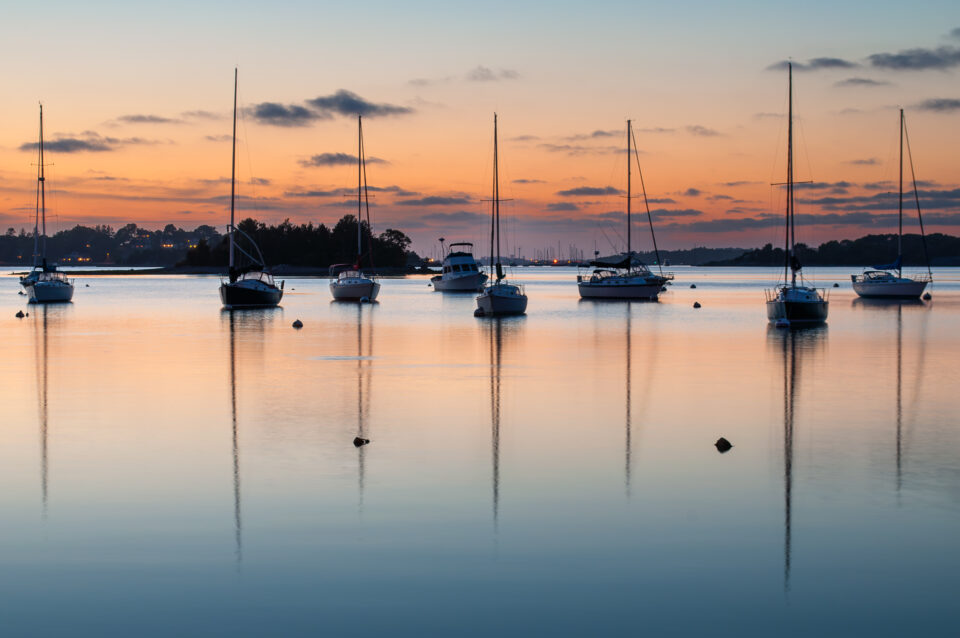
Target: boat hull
column 49, row 292
column 501, row 300
column 647, row 292
column 234, row 295
column 898, row 289
column 800, row 312
column 354, row 290
column 468, row 283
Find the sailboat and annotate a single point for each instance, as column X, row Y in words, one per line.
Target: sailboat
column 250, row 286
column 879, row 281
column 44, row 283
column 625, row 278
column 498, row 298
column 351, row 284
column 794, row 303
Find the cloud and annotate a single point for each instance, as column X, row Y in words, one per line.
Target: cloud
column 868, row 161
column 849, row 82
column 692, row 192
column 201, row 115
column 147, row 119
column 661, row 200
column 276, row 114
column 336, row 159
column 524, row 138
column 676, row 212
column 460, row 216
column 348, row 191
column 657, row 129
column 434, row 200
column 586, row 191
column 955, row 33
column 529, row 181
column 562, row 206
column 591, row 136
column 716, row 198
column 345, row 102
column 701, row 131
column 917, row 59
column 930, row 199
column 578, row 149
column 814, row 64
column 484, row 74
column 88, row 141
column 940, row 105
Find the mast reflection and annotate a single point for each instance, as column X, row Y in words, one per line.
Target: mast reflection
column 364, row 377
column 42, row 410
column 500, row 329
column 794, row 345
column 239, row 322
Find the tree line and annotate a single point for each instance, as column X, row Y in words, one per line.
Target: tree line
column 943, row 250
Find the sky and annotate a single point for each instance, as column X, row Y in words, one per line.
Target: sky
column 137, row 116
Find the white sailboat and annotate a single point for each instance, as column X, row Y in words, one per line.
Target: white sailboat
column 461, row 273
column 351, row 284
column 793, row 302
column 251, row 286
column 625, row 277
column 879, row 281
column 500, row 297
column 44, row 283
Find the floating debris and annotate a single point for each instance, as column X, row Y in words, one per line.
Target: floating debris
column 298, row 324
column 696, row 304
column 836, row 285
column 358, row 442
column 693, row 285
column 723, row 445
column 927, row 296
column 20, row 314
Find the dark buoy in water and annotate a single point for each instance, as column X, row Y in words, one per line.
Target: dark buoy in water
column 693, row 285
column 358, row 442
column 927, row 296
column 19, row 292
column 723, row 445
column 298, row 324
column 836, row 285
column 20, row 314
column 696, row 304
column 87, row 285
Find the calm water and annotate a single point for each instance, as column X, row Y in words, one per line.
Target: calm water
column 168, row 468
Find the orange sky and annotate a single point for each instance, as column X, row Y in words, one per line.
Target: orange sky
column 137, row 120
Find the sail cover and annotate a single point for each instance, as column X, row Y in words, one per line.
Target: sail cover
column 894, row 266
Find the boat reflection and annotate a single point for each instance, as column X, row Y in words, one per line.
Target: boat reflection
column 245, row 327
column 499, row 329
column 793, row 347
column 364, row 378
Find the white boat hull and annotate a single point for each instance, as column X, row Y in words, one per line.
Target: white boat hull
column 590, row 290
column 895, row 289
column 501, row 300
column 354, row 289
column 50, row 292
column 467, row 283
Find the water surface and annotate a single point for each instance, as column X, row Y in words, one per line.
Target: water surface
column 168, row 467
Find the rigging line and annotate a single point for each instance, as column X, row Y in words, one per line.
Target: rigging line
column 366, row 199
column 916, row 197
column 646, row 203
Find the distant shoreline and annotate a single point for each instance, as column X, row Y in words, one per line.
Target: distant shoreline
column 279, row 271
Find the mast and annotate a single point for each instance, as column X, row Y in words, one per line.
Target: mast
column 790, row 237
column 496, row 196
column 629, row 253
column 41, row 184
column 900, row 227
column 233, row 173
column 359, row 185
